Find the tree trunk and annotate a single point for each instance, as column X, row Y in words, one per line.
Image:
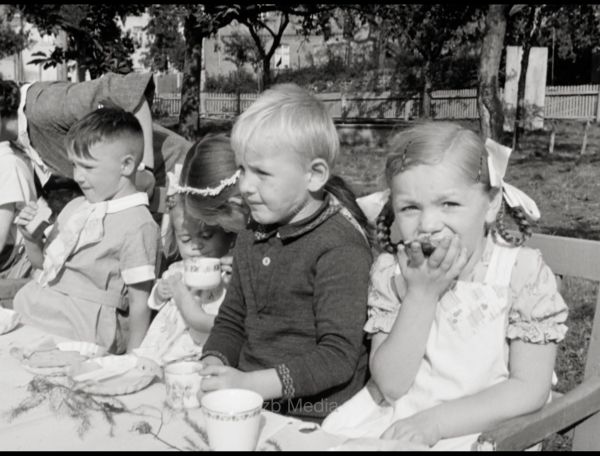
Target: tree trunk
column 491, row 115
column 521, row 108
column 266, row 73
column 62, row 72
column 189, row 114
column 426, row 94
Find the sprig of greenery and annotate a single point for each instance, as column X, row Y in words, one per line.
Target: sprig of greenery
column 65, row 401
column 80, row 405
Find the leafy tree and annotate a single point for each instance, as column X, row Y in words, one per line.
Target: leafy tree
column 576, row 29
column 432, row 33
column 167, row 48
column 95, row 40
column 426, row 45
column 11, row 41
column 199, row 21
column 240, row 50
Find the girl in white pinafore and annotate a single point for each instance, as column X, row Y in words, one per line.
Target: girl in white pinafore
column 464, row 338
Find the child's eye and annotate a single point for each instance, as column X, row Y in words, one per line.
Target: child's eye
column 206, row 236
column 408, row 208
column 450, row 204
column 185, row 239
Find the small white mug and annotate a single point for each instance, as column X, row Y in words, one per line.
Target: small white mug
column 182, row 382
column 232, row 419
column 202, row 273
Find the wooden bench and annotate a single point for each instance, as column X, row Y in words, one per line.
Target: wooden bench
column 577, row 410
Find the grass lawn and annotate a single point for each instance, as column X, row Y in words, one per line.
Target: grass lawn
column 566, row 187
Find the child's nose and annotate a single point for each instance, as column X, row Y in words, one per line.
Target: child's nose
column 77, row 176
column 430, row 221
column 245, row 185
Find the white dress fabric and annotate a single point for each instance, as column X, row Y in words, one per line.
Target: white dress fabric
column 466, row 352
column 168, row 338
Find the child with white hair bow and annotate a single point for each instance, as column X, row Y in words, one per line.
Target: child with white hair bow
column 185, row 315
column 464, row 319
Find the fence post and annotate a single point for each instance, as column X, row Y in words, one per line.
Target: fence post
column 407, row 108
column 585, row 137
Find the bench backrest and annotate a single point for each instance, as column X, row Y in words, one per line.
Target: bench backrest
column 578, row 258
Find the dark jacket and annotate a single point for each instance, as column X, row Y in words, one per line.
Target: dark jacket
column 297, row 302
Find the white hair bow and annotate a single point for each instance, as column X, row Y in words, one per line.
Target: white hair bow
column 498, row 156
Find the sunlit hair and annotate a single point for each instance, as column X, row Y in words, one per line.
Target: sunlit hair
column 10, row 96
column 287, row 117
column 429, row 143
column 206, row 164
column 103, row 125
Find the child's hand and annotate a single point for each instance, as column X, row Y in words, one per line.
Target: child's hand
column 163, row 290
column 436, row 273
column 419, row 428
column 24, row 217
column 179, row 291
column 219, row 377
column 226, row 268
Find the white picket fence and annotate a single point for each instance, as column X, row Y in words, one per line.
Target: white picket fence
column 561, row 102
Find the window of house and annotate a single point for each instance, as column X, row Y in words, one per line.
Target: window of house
column 281, row 58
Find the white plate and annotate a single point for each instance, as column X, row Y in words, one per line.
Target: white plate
column 114, row 374
column 86, row 349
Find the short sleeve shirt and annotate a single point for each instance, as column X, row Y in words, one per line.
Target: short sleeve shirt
column 16, row 181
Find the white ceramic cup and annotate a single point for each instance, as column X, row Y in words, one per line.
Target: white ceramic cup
column 202, row 273
column 182, row 382
column 232, row 419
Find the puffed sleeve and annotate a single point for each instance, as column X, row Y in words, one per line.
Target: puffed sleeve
column 538, row 312
column 383, row 301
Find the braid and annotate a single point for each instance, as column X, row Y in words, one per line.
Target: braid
column 383, row 224
column 518, row 215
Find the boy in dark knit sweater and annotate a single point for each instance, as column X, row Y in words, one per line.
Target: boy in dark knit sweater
column 290, row 327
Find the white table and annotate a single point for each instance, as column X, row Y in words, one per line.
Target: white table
column 41, row 428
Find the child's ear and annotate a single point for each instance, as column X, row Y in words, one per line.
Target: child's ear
column 128, row 166
column 495, row 204
column 318, row 174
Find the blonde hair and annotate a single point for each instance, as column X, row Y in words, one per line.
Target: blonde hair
column 429, row 143
column 296, row 119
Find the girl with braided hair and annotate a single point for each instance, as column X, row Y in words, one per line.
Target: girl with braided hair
column 464, row 320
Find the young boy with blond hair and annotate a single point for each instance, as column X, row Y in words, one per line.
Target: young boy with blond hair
column 290, row 326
